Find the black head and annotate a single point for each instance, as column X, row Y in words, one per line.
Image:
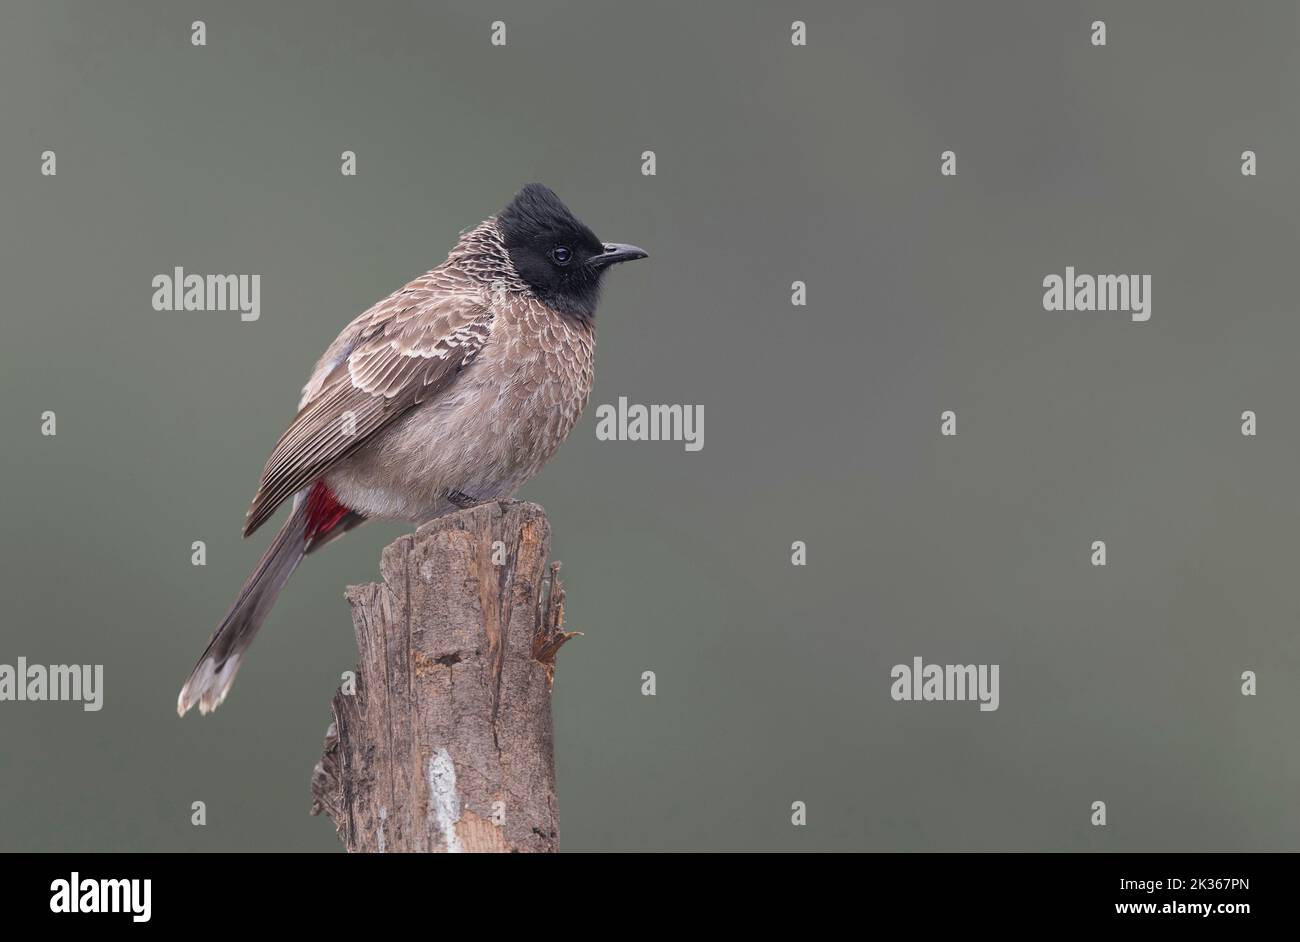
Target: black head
column 557, row 256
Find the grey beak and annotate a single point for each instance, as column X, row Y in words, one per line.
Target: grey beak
column 616, row 252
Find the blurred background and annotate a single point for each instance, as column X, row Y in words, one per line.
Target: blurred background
column 775, row 163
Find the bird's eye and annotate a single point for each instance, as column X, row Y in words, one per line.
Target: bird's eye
column 561, row 255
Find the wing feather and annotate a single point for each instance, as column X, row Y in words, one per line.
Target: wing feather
column 403, row 351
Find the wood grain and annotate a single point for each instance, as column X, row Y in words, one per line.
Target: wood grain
column 447, row 743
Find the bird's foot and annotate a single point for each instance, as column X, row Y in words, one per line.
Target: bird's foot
column 462, row 500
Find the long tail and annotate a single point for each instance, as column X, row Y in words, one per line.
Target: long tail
column 318, row 518
column 211, row 678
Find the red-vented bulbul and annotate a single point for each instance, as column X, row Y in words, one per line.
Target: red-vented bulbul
column 453, row 390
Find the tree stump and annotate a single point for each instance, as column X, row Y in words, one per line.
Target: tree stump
column 446, row 743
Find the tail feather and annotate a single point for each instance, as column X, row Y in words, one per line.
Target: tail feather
column 211, row 678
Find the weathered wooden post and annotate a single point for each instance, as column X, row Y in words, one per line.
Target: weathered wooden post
column 446, row 744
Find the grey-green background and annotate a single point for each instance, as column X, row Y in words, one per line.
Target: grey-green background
column 775, row 163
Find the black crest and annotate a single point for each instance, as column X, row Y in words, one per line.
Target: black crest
column 551, row 250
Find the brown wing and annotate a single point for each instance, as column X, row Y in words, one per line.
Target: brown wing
column 405, row 350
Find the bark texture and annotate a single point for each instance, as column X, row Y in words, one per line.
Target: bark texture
column 446, row 744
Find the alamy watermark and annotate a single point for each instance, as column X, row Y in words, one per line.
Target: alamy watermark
column 181, row 292
column 84, row 682
column 921, row 681
column 1127, row 293
column 77, row 895
column 633, row 422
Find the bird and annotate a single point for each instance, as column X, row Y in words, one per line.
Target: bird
column 452, row 391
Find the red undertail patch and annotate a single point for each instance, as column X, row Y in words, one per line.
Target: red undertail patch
column 323, row 510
